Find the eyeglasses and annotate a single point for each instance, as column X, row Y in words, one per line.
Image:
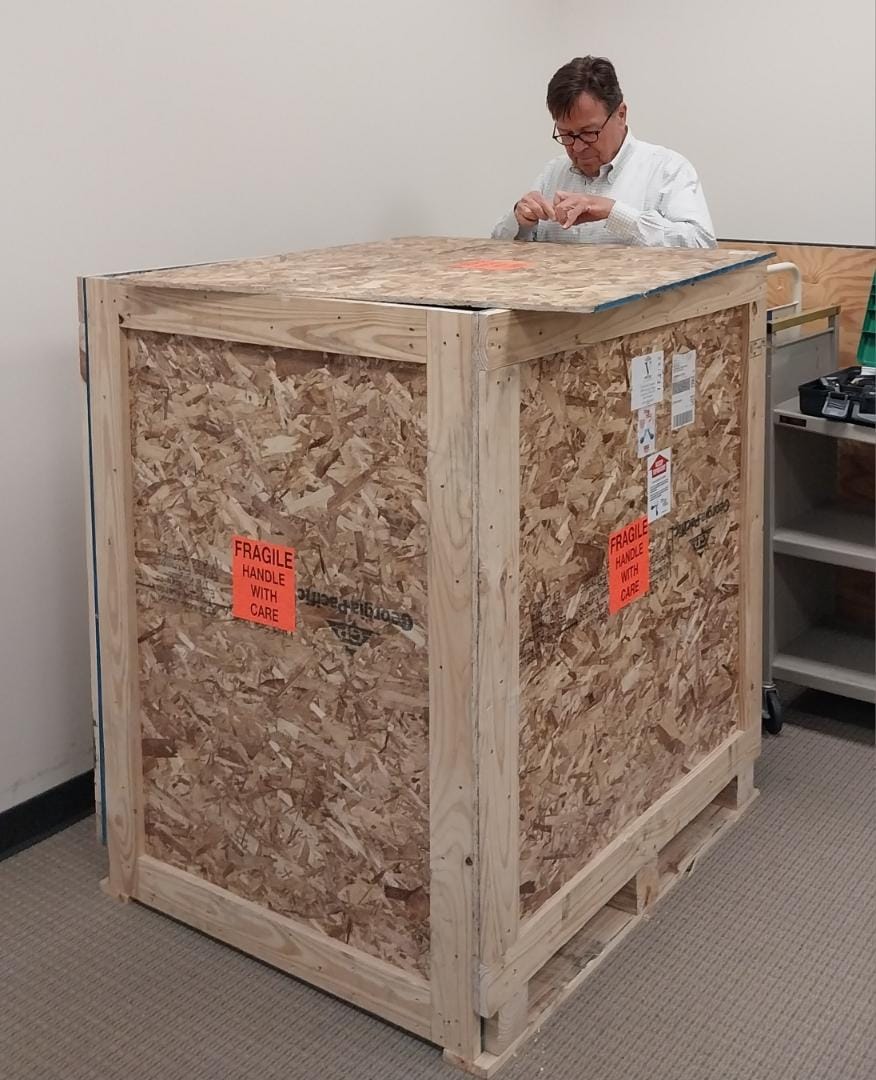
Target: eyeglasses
column 570, row 138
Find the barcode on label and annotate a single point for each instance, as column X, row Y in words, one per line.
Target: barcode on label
column 682, row 419
column 683, row 386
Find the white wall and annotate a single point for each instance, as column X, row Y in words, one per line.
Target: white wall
column 137, row 134
column 772, row 100
column 144, row 133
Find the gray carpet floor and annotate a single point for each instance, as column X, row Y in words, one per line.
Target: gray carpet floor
column 758, row 967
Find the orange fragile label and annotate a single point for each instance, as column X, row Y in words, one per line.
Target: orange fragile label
column 628, row 564
column 492, row 264
column 263, row 583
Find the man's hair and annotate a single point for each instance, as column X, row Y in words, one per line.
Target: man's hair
column 592, row 75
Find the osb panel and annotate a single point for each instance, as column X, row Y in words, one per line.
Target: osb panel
column 289, row 769
column 615, row 709
column 831, row 275
column 462, row 273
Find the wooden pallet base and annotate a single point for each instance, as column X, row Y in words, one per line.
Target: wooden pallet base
column 407, row 1000
column 579, row 957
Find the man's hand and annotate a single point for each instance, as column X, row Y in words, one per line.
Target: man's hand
column 532, row 208
column 571, row 209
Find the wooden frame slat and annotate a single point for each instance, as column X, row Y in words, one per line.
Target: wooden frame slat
column 398, row 996
column 111, row 453
column 751, row 521
column 512, row 337
column 452, row 590
column 390, row 331
column 561, row 917
column 498, row 671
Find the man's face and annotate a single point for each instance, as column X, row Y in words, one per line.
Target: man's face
column 589, row 114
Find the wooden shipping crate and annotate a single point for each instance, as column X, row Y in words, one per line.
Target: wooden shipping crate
column 512, row 709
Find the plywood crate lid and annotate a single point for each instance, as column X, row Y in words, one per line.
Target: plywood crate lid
column 463, row 273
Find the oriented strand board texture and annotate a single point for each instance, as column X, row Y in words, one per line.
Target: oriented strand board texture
column 615, row 709
column 462, row 273
column 831, row 275
column 289, row 769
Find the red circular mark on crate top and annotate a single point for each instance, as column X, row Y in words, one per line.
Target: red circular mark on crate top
column 491, row 264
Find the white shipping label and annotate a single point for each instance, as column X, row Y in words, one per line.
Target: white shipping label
column 659, row 484
column 646, row 380
column 646, row 431
column 684, row 388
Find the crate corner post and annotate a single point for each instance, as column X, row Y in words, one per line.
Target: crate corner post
column 114, row 562
column 453, row 768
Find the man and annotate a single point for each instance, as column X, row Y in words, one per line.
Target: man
column 609, row 188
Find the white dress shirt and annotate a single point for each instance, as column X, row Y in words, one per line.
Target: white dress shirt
column 658, row 201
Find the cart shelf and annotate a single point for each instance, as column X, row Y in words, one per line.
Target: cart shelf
column 788, row 415
column 828, row 658
column 830, row 534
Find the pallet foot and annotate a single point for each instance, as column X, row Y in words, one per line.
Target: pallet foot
column 107, row 889
column 473, row 1068
column 641, row 892
column 509, row 1023
column 487, row 1065
column 558, row 979
column 575, row 961
column 740, row 792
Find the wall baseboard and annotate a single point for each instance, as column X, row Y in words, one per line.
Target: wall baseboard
column 39, row 817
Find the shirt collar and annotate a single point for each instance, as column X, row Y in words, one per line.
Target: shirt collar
column 610, row 169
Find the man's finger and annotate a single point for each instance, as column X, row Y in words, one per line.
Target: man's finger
column 549, row 210
column 574, row 215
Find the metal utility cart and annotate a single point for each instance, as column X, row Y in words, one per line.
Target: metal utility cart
column 810, row 534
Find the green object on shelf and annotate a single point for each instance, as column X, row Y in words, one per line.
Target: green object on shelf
column 867, row 344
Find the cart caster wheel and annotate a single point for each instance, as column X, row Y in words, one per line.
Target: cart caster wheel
column 772, row 711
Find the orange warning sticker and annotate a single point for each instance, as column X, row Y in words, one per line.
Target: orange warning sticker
column 263, row 583
column 628, row 564
column 491, row 264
